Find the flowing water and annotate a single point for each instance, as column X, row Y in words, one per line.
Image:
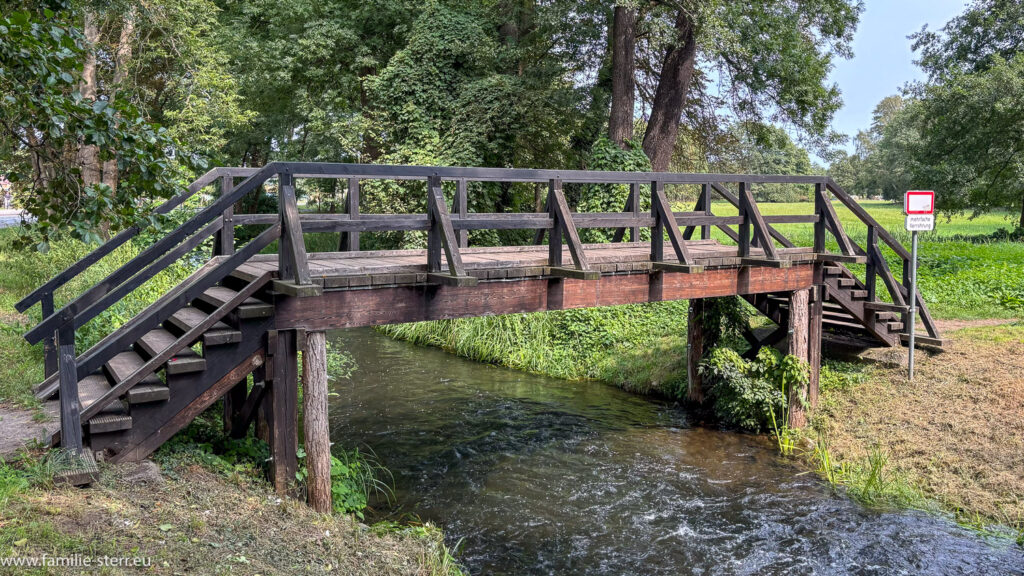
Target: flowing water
column 540, row 476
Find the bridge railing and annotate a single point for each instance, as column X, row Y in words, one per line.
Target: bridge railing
column 447, row 233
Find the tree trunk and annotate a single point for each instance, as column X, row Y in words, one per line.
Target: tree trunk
column 799, row 325
column 318, row 441
column 671, row 93
column 1021, row 223
column 89, row 154
column 620, row 121
column 123, row 54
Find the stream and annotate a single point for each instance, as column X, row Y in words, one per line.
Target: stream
column 533, row 475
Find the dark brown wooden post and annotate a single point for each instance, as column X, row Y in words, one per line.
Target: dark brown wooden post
column 555, row 234
column 314, row 417
column 799, row 308
column 814, row 335
column 658, row 230
column 819, row 211
column 224, row 239
column 349, row 241
column 282, row 418
column 634, row 200
column 70, row 408
column 291, row 253
column 50, row 360
column 705, row 193
column 434, row 238
column 870, row 270
column 462, row 207
column 744, row 209
column 264, row 374
column 695, row 350
column 233, row 402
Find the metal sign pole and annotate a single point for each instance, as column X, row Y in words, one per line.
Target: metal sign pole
column 913, row 302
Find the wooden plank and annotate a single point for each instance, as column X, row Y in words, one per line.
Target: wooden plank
column 224, row 239
column 282, row 400
column 70, row 408
column 753, row 215
column 292, row 263
column 413, row 303
column 663, row 213
column 158, row 340
column 886, row 307
column 462, row 209
column 187, row 318
column 564, row 227
column 441, row 232
column 828, row 214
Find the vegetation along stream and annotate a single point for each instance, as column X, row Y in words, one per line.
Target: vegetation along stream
column 541, row 476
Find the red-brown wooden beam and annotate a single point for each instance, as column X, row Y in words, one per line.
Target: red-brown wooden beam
column 398, row 304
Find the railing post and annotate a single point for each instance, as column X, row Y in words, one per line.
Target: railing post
column 70, row 409
column 462, row 207
column 50, row 360
column 658, row 230
column 291, row 252
column 224, row 240
column 744, row 228
column 634, row 199
column 705, row 192
column 819, row 211
column 870, row 271
column 349, row 241
column 555, row 233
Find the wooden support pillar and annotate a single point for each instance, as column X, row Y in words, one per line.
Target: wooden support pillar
column 281, row 411
column 814, row 334
column 233, row 402
column 695, row 350
column 70, row 408
column 799, row 308
column 349, row 241
column 264, row 374
column 317, row 431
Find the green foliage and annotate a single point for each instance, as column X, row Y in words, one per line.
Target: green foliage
column 355, row 478
column 606, row 155
column 752, row 395
column 46, row 119
column 756, row 148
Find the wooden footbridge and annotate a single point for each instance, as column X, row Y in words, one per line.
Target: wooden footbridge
column 246, row 311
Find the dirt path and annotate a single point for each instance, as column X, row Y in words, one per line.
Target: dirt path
column 950, row 325
column 18, row 428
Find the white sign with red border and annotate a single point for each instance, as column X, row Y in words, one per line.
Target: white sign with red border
column 919, row 202
column 919, row 206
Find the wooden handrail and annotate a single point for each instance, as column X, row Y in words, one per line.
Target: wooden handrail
column 117, row 241
column 69, row 312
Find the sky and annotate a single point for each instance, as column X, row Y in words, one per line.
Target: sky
column 883, row 60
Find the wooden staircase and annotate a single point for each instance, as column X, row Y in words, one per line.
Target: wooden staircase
column 180, row 367
column 852, row 316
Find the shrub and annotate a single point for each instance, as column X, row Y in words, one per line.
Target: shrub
column 752, row 395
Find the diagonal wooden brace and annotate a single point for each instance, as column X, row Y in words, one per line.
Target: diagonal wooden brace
column 663, row 214
column 441, row 236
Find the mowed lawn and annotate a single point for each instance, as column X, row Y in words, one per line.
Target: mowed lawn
column 963, row 273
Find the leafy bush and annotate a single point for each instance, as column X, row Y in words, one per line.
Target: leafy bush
column 752, row 395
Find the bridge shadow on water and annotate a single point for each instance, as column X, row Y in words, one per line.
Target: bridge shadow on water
column 542, row 476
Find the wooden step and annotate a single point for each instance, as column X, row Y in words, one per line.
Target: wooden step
column 185, row 360
column 883, row 316
column 107, row 423
column 186, row 318
column 150, row 389
column 841, row 324
column 834, row 315
column 146, row 393
column 894, row 326
column 886, row 307
column 923, row 340
column 858, row 294
column 847, row 282
column 833, row 271
column 217, row 296
column 113, row 417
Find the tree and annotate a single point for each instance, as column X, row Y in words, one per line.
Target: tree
column 623, row 40
column 971, row 42
column 770, row 58
column 964, row 138
column 755, row 148
column 47, row 122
